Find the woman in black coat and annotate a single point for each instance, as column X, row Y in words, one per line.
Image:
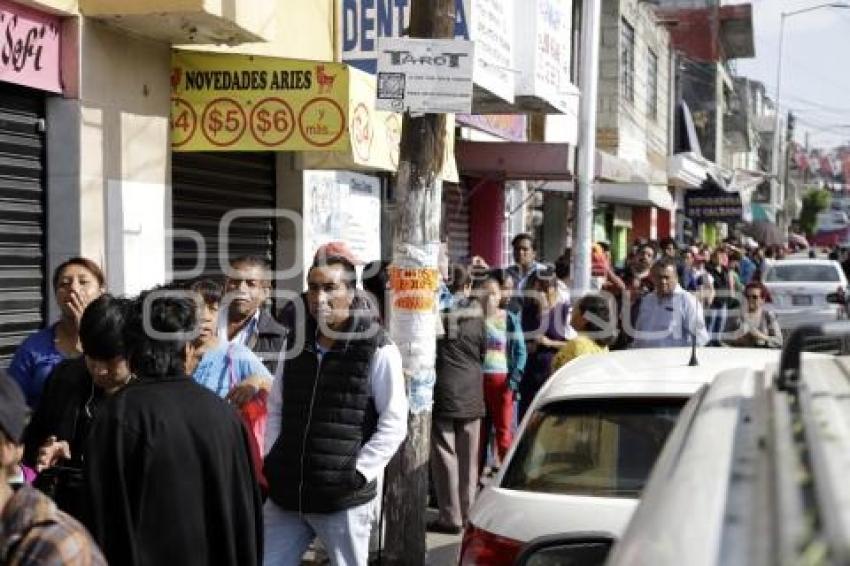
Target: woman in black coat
column 458, row 406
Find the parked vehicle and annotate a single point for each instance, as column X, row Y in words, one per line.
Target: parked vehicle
column 583, row 453
column 800, row 290
column 755, row 471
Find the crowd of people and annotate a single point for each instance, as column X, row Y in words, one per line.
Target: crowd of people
column 133, row 428
column 507, row 330
column 155, row 429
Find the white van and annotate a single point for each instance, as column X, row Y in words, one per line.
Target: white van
column 755, row 471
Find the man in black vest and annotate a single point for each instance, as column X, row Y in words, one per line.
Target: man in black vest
column 335, row 419
column 246, row 321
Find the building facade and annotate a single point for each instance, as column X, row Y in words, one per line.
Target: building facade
column 90, row 168
column 633, row 126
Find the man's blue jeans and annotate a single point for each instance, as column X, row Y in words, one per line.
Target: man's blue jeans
column 344, row 535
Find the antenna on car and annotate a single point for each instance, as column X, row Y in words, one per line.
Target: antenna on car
column 694, row 361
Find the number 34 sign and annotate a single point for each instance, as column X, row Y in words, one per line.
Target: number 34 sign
column 251, row 103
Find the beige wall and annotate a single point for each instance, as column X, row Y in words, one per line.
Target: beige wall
column 108, row 139
column 60, row 7
column 624, row 127
column 647, row 136
column 298, row 29
column 113, row 138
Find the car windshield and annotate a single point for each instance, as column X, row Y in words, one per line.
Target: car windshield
column 803, row 272
column 596, row 447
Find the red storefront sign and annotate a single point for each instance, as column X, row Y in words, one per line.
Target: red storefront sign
column 29, row 47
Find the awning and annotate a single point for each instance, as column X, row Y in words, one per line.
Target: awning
column 689, row 171
column 528, row 161
column 763, row 212
column 612, row 168
column 230, row 102
column 634, row 194
column 744, row 180
column 630, row 194
column 765, row 232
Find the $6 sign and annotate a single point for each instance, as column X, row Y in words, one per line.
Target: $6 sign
column 272, row 121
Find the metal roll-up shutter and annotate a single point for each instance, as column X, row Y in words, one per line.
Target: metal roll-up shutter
column 208, row 185
column 456, row 222
column 22, row 217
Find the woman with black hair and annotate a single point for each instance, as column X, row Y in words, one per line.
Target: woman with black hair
column 596, row 328
column 75, row 391
column 503, row 365
column 546, row 323
column 76, row 282
column 168, row 467
column 458, row 406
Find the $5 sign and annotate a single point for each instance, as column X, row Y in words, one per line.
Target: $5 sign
column 223, row 122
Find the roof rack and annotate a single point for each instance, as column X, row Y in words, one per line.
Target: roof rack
column 800, row 338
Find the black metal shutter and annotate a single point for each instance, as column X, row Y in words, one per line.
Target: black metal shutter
column 206, row 185
column 22, row 217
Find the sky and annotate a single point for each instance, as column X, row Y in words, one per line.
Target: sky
column 815, row 74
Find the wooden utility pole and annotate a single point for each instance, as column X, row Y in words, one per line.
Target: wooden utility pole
column 416, row 243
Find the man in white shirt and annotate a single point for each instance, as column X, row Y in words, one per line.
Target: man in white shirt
column 670, row 316
column 335, row 419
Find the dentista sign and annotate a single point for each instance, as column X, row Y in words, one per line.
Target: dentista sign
column 364, row 21
column 489, row 23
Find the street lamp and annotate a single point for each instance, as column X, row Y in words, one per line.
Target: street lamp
column 777, row 138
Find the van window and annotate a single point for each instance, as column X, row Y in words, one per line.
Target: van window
column 597, row 447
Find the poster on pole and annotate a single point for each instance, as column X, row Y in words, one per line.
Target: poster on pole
column 425, row 75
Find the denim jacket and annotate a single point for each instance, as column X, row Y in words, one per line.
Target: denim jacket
column 517, row 354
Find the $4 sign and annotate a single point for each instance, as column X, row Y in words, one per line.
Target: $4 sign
column 183, row 122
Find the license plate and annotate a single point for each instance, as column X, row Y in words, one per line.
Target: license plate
column 801, row 300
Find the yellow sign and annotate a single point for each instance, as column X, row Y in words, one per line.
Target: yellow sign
column 232, row 102
column 414, row 290
column 375, row 136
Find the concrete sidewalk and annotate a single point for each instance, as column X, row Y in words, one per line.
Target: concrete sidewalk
column 443, row 550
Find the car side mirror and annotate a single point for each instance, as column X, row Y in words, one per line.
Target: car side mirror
column 585, row 549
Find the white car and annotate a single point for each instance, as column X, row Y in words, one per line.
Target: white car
column 831, row 220
column 800, row 288
column 584, row 451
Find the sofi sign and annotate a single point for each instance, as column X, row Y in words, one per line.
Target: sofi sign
column 29, row 48
column 364, row 21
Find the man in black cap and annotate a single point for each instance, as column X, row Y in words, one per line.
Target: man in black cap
column 32, row 529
